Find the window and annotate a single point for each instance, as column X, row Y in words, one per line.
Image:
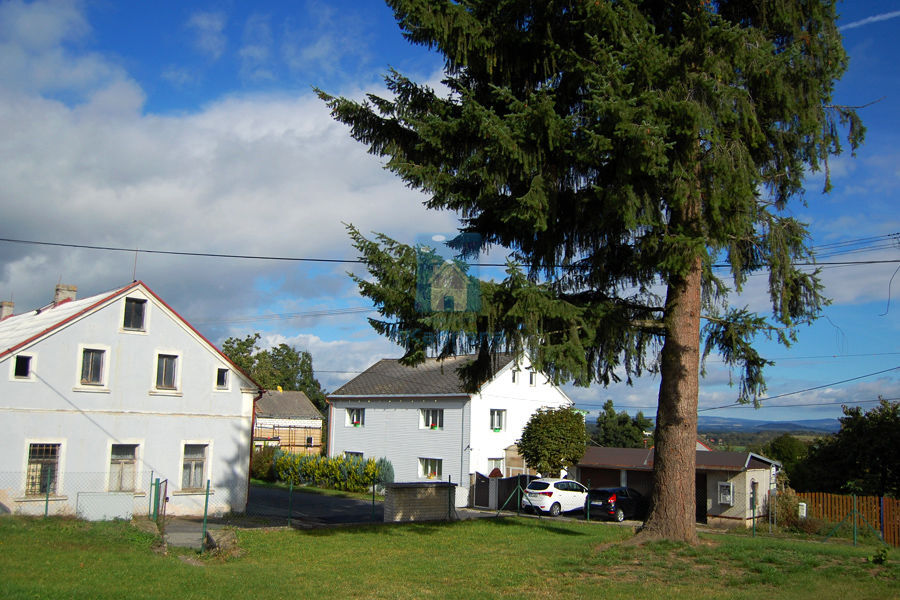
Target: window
column 43, row 464
column 356, row 417
column 222, row 379
column 495, row 463
column 498, row 419
column 515, row 375
column 358, row 455
column 430, row 468
column 121, row 467
column 532, row 377
column 309, row 441
column 22, row 367
column 165, row 371
column 726, row 493
column 134, row 314
column 431, row 418
column 92, row 366
column 193, row 467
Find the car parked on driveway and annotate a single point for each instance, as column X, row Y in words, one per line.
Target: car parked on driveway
column 617, row 504
column 554, row 496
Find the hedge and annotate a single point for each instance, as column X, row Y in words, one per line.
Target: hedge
column 350, row 473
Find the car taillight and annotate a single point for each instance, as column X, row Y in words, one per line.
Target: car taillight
column 612, row 499
column 545, row 493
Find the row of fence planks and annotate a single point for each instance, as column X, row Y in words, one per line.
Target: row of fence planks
column 882, row 514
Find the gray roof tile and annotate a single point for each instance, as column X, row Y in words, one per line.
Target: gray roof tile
column 434, row 377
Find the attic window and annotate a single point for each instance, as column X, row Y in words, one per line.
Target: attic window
column 134, row 314
column 222, row 379
column 22, row 369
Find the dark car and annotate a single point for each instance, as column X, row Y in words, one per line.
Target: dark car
column 617, row 504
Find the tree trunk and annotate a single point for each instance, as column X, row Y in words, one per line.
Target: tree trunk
column 673, row 515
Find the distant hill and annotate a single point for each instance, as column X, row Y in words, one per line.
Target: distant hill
column 722, row 424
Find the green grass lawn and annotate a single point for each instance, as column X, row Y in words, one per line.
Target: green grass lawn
column 511, row 557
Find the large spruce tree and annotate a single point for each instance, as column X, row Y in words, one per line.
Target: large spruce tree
column 618, row 150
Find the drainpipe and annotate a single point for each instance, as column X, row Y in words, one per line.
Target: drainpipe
column 259, row 395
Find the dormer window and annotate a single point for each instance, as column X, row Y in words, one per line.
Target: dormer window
column 135, row 308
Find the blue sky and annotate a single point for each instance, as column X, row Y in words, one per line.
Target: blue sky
column 192, row 126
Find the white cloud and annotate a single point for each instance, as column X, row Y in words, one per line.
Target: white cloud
column 209, row 31
column 256, row 49
column 872, row 19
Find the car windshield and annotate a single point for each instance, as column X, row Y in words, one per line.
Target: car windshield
column 538, row 485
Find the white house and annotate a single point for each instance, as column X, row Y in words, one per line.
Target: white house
column 99, row 395
column 421, row 420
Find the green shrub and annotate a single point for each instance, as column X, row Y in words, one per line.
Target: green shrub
column 342, row 472
column 262, row 463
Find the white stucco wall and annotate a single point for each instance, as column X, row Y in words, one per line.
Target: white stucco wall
column 520, row 400
column 53, row 407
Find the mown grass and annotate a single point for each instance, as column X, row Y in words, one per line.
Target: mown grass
column 503, row 558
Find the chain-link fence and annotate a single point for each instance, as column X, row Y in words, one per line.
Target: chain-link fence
column 41, row 491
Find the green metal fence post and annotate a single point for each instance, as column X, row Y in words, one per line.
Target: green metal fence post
column 47, row 495
column 205, row 509
column 449, row 498
column 150, row 499
column 156, row 500
column 855, row 519
column 587, row 502
column 290, row 501
column 374, row 479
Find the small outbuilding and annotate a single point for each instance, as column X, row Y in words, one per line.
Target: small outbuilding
column 288, row 420
column 730, row 486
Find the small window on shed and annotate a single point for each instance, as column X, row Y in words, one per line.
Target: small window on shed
column 726, row 493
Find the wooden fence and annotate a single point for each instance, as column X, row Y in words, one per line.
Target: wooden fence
column 883, row 514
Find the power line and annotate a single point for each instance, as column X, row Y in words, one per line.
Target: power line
column 347, row 260
column 810, row 389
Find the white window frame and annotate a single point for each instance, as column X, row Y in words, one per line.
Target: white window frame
column 357, row 413
column 429, row 465
column 501, row 413
column 58, row 478
column 515, row 375
column 32, row 360
column 532, row 378
column 166, row 391
column 135, row 461
column 227, row 386
column 428, row 415
column 353, row 454
column 146, row 321
column 207, row 468
column 105, row 368
column 726, row 493
column 496, row 463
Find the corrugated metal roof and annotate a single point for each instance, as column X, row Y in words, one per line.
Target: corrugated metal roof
column 286, row 405
column 435, row 377
column 641, row 459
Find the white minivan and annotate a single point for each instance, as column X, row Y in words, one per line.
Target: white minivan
column 554, row 496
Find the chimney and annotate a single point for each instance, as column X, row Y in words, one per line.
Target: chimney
column 64, row 293
column 6, row 309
